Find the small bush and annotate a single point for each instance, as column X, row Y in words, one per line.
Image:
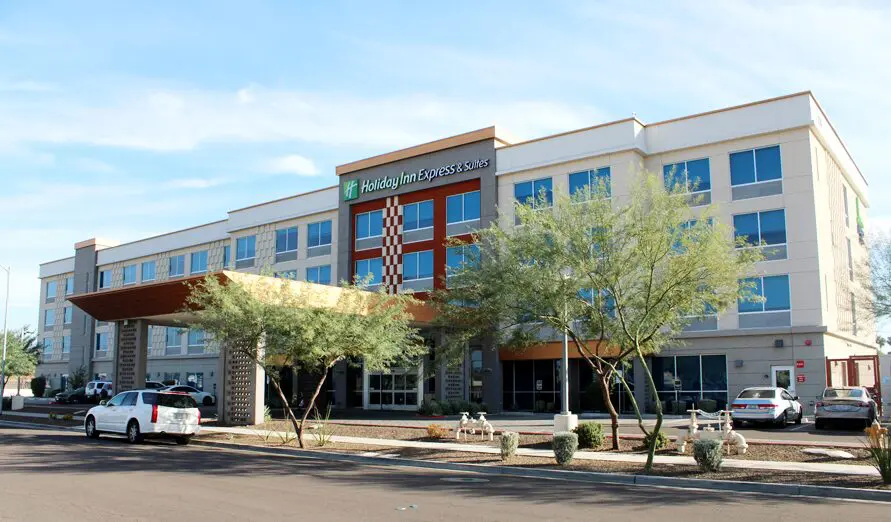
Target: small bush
column 708, row 405
column 430, row 409
column 68, row 417
column 878, row 445
column 590, row 435
column 436, row 431
column 38, row 386
column 510, row 441
column 708, row 454
column 565, row 443
column 661, row 439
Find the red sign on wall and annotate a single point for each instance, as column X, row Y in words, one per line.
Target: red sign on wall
column 800, row 378
column 799, row 364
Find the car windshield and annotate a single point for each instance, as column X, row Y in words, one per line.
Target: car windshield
column 843, row 393
column 757, row 394
column 169, row 400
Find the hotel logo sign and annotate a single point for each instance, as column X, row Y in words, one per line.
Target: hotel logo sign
column 352, row 189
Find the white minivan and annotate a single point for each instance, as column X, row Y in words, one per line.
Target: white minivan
column 145, row 413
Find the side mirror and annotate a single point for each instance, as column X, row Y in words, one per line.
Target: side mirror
column 795, row 397
column 103, row 403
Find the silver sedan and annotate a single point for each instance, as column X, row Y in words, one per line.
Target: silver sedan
column 848, row 404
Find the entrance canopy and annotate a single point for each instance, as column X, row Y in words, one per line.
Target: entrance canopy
column 165, row 303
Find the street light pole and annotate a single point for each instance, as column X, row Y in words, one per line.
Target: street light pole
column 8, row 270
column 565, row 420
column 564, row 385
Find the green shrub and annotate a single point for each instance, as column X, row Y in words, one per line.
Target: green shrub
column 590, row 435
column 38, row 386
column 510, row 441
column 68, row 417
column 437, row 431
column 708, row 405
column 708, row 454
column 565, row 443
column 430, row 408
column 878, row 444
column 661, row 439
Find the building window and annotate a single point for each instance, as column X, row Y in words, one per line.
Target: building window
column 319, row 234
column 371, row 267
column 104, row 279
column 755, row 166
column 173, row 341
column 177, row 265
column 69, row 285
column 148, row 271
column 245, row 248
column 47, row 346
column 66, row 344
column 369, row 224
column 102, row 342
column 460, row 257
column 597, row 181
column 287, row 274
column 689, row 176
column 130, row 275
column 760, row 229
column 853, row 314
column 50, row 291
column 775, row 293
column 850, row 260
column 197, row 340
column 49, row 318
column 530, row 192
column 417, row 266
column 463, row 207
column 416, row 216
column 67, row 315
column 198, row 262
column 195, row 380
column 227, row 256
column 286, row 240
column 319, row 274
column 687, row 379
column 605, row 300
column 845, row 199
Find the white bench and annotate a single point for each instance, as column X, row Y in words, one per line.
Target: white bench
column 715, row 426
column 466, row 424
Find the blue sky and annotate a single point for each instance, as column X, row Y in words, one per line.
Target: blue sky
column 154, row 116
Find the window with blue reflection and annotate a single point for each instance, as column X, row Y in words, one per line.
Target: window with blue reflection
column 774, row 290
column 463, row 207
column 747, row 305
column 369, row 224
column 751, row 166
column 598, row 181
column 416, row 216
column 693, row 176
column 319, row 234
column 319, row 274
column 372, row 267
column 458, row 257
column 417, row 265
column 286, row 240
column 529, row 192
column 198, row 262
column 761, row 228
column 745, row 227
column 245, row 247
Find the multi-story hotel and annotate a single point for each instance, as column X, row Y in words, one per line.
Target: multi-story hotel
column 777, row 170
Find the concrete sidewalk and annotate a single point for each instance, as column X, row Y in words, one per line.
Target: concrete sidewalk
column 810, row 467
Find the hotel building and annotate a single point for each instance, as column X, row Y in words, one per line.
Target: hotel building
column 777, row 170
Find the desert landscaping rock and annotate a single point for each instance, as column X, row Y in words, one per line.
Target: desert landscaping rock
column 832, row 453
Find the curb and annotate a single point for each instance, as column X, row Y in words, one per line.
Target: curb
column 578, row 476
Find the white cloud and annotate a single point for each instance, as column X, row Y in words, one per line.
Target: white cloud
column 94, row 165
column 293, row 164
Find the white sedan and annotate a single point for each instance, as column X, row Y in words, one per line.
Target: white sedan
column 202, row 398
column 145, row 413
column 766, row 405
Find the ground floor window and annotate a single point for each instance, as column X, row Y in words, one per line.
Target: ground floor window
column 586, row 393
column 171, row 378
column 531, row 385
column 195, row 380
column 684, row 381
column 394, row 388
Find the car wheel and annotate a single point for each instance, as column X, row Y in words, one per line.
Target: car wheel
column 800, row 416
column 207, row 401
column 182, row 441
column 90, row 428
column 133, row 434
column 782, row 420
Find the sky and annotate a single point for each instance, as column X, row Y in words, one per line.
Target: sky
column 128, row 119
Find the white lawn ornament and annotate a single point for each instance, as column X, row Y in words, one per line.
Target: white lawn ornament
column 466, row 424
column 732, row 439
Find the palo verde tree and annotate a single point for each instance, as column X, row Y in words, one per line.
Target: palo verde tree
column 621, row 277
column 277, row 322
column 21, row 355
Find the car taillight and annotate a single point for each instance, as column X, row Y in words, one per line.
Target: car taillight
column 154, row 413
column 199, row 416
column 819, row 405
column 739, row 406
column 768, row 406
column 863, row 405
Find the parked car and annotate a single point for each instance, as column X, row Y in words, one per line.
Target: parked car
column 75, row 396
column 766, row 405
column 99, row 390
column 154, row 385
column 848, row 404
column 202, row 398
column 139, row 414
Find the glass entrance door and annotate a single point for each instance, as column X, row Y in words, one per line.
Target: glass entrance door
column 393, row 390
column 783, row 377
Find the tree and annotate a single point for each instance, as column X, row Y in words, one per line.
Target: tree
column 620, row 278
column 21, row 355
column 280, row 322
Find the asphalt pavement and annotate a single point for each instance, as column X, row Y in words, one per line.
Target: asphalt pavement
column 59, row 475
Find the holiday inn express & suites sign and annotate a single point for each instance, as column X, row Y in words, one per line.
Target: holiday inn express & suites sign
column 354, row 188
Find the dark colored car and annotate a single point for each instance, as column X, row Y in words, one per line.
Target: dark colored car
column 76, row 396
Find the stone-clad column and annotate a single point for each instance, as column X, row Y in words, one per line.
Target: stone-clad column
column 130, row 355
column 241, row 399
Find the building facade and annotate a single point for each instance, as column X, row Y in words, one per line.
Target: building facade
column 776, row 169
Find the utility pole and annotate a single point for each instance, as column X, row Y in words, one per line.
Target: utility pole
column 8, row 270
